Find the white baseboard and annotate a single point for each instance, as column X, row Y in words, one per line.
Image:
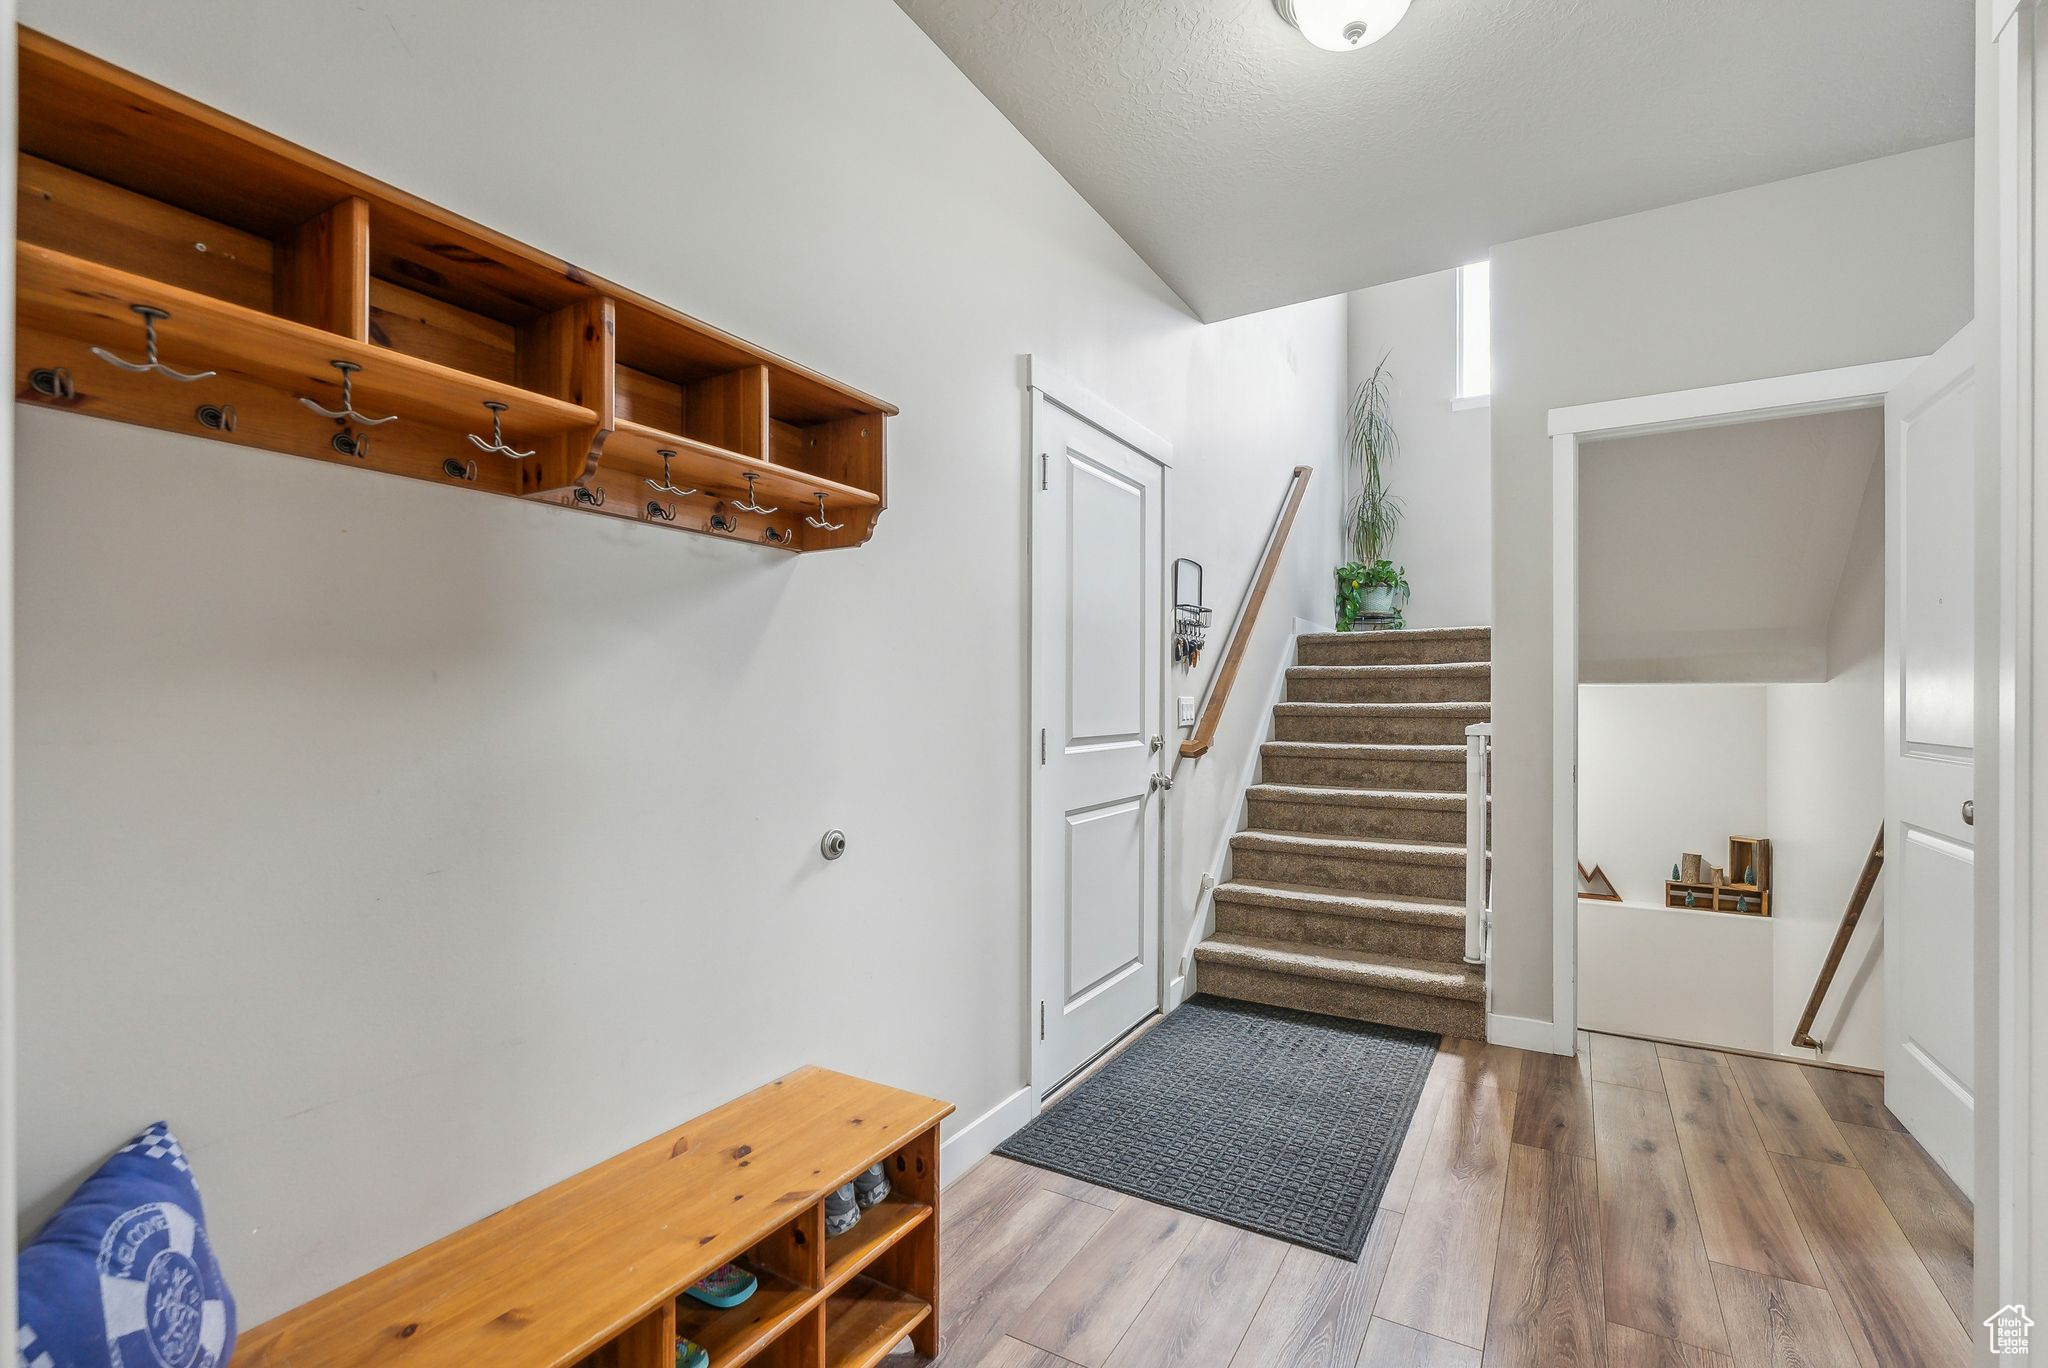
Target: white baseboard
column 1523, row 1033
column 978, row 1139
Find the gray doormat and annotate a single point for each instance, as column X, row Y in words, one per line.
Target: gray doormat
column 1275, row 1121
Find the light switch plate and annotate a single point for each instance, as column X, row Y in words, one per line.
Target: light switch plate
column 1186, row 704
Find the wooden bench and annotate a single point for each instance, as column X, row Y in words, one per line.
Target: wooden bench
column 590, row 1271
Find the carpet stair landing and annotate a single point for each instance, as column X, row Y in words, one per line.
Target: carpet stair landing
column 1347, row 885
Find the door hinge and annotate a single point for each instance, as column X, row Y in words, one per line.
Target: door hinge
column 1044, row 470
column 1041, row 1018
column 1041, row 745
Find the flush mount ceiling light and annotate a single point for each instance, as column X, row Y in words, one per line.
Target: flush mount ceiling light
column 1342, row 25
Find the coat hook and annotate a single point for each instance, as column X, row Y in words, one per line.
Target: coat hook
column 459, row 470
column 819, row 521
column 496, row 446
column 347, row 411
column 667, row 484
column 52, row 382
column 775, row 538
column 751, row 505
column 722, row 521
column 151, row 316
column 219, row 417
column 659, row 512
column 356, row 444
column 590, row 498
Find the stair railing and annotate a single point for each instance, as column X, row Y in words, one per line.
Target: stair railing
column 1478, row 782
column 1802, row 1035
column 1225, row 678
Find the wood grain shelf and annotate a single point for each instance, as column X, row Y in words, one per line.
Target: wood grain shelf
column 736, row 1334
column 273, row 261
column 866, row 1319
column 591, row 1270
column 888, row 1221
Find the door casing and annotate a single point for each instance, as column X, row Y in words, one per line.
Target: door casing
column 1047, row 386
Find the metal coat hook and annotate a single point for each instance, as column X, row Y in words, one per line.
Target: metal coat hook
column 820, row 521
column 151, row 316
column 589, row 498
column 659, row 512
column 218, row 417
column 52, row 382
column 667, row 484
column 459, row 470
column 774, row 538
column 347, row 411
column 750, row 505
column 496, row 446
column 721, row 521
column 356, row 444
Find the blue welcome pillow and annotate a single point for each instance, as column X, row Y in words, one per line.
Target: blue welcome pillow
column 123, row 1276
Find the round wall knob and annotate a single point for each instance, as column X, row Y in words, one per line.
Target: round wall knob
column 833, row 845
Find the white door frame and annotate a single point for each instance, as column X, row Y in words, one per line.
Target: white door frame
column 1783, row 396
column 1045, row 384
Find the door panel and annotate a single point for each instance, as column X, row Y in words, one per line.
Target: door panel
column 1930, row 664
column 1105, row 897
column 1097, row 530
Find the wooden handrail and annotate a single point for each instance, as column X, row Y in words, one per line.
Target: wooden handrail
column 1802, row 1035
column 1247, row 617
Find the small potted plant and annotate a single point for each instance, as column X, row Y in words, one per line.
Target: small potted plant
column 1371, row 584
column 1378, row 590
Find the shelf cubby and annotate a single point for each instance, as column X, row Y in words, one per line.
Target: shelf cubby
column 879, row 1230
column 866, row 1319
column 274, row 263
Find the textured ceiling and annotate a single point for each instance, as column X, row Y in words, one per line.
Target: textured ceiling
column 1253, row 170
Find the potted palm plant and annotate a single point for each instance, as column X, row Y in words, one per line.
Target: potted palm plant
column 1371, row 585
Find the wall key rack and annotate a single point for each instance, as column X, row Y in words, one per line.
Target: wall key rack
column 179, row 269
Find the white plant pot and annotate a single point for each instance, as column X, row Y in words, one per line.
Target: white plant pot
column 1380, row 599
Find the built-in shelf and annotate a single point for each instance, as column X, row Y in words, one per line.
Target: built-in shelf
column 263, row 264
column 866, row 1319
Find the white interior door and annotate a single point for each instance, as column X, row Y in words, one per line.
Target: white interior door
column 1930, row 663
column 1097, row 529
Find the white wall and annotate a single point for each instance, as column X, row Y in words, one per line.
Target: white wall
column 1665, row 769
column 409, row 849
column 1443, row 475
column 1864, row 263
column 1702, row 978
column 1827, row 802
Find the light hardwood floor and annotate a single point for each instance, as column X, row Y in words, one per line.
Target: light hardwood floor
column 1643, row 1206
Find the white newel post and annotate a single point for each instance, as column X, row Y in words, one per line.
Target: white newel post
column 1478, row 747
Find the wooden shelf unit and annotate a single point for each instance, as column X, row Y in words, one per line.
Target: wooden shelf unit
column 591, row 1272
column 1745, row 853
column 273, row 262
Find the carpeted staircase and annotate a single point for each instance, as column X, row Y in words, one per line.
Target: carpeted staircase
column 1347, row 887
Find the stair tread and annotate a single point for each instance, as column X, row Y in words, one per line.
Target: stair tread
column 1430, row 978
column 1404, row 634
column 1350, row 847
column 1310, row 898
column 1359, row 797
column 1428, row 669
column 1328, row 708
column 1402, row 750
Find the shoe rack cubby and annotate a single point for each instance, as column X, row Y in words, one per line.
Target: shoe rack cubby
column 182, row 270
column 591, row 1273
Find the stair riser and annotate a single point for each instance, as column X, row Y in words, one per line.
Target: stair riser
column 1404, row 940
column 1391, row 648
column 1387, row 878
column 1445, row 1016
column 1419, row 689
column 1398, row 730
column 1370, row 823
column 1441, row 776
